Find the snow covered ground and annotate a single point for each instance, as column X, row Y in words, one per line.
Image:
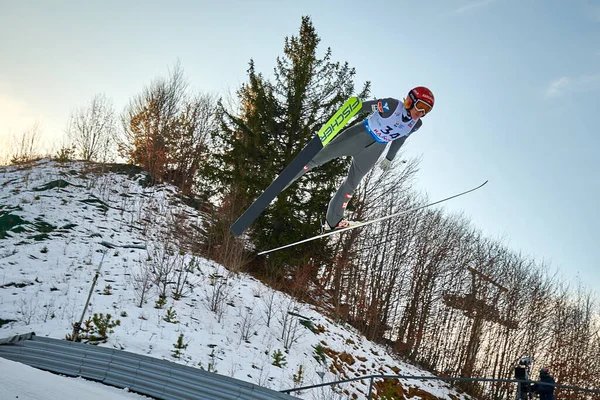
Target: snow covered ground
column 53, row 221
column 16, row 383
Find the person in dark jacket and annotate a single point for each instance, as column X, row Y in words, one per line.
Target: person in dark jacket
column 546, row 392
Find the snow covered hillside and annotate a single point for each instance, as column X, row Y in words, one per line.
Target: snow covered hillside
column 55, row 223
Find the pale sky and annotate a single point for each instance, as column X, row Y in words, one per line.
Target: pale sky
column 517, row 87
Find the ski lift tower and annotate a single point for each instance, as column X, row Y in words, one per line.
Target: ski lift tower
column 478, row 306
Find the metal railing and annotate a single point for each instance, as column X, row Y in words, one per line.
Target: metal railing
column 372, row 378
column 166, row 380
column 141, row 374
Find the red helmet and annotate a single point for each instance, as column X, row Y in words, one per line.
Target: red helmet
column 421, row 98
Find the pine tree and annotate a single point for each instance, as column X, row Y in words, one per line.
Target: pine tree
column 275, row 121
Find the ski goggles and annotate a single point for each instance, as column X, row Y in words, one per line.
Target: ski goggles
column 418, row 104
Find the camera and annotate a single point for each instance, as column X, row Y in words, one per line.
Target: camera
column 523, row 367
column 522, row 373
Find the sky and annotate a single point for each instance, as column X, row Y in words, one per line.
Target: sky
column 44, row 285
column 517, row 87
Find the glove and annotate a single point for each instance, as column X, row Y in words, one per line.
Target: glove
column 385, row 164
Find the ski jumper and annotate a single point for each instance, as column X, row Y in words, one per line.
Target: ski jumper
column 365, row 141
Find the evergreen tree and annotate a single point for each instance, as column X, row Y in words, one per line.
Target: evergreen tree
column 275, row 121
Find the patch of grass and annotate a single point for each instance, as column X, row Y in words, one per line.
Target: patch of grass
column 146, row 181
column 40, row 237
column 99, row 204
column 196, row 202
column 59, row 183
column 26, row 165
column 8, row 222
column 68, row 226
column 131, row 171
column 4, row 184
column 6, row 321
column 124, row 169
column 4, row 209
column 44, row 227
column 19, row 285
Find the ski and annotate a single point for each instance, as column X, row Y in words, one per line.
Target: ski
column 365, row 223
column 335, row 124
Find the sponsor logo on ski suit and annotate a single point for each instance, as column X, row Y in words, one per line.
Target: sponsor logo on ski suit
column 388, row 129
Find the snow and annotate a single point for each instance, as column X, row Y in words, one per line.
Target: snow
column 45, row 281
column 16, row 379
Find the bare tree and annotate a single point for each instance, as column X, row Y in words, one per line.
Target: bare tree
column 166, row 130
column 247, row 322
column 142, row 283
column 218, row 294
column 361, row 279
column 5, row 155
column 291, row 329
column 163, row 262
column 573, row 329
column 187, row 143
column 26, row 146
column 92, row 129
column 269, row 298
column 184, row 271
column 147, row 122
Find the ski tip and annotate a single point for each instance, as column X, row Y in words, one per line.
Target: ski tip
column 478, row 187
column 235, row 231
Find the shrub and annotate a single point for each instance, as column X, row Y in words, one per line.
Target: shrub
column 178, row 347
column 279, row 359
column 95, row 329
column 171, row 316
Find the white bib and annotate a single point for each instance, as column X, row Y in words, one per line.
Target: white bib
column 385, row 130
